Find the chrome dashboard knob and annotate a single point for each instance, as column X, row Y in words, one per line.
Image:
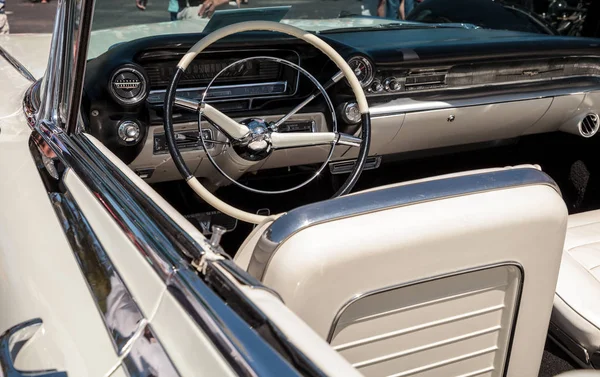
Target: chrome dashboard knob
column 351, row 113
column 129, row 131
column 376, row 86
column 391, row 84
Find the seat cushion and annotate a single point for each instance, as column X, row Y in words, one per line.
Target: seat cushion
column 577, row 303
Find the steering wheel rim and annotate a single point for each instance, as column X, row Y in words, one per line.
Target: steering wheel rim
column 219, row 34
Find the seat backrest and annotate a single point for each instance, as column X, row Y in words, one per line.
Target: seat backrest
column 451, row 276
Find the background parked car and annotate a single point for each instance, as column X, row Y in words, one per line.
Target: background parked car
column 484, row 13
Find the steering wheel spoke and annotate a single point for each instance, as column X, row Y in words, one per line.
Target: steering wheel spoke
column 335, row 78
column 349, row 140
column 300, row 139
column 233, row 129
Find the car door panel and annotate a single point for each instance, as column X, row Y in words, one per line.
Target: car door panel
column 39, row 277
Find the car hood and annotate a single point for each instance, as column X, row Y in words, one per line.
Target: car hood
column 31, row 50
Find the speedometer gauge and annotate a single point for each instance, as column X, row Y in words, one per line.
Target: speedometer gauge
column 363, row 69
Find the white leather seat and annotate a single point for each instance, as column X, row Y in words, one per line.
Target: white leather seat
column 445, row 276
column 576, row 314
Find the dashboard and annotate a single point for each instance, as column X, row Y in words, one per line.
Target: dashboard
column 427, row 89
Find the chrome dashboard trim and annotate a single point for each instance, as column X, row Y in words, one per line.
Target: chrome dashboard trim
column 218, row 87
column 414, row 104
column 304, row 217
column 16, row 65
column 299, row 61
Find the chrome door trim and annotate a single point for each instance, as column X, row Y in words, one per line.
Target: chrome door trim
column 16, row 65
column 309, row 215
column 98, row 271
column 169, row 250
column 247, row 353
column 113, row 299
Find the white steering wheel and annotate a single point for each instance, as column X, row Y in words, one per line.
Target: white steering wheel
column 263, row 138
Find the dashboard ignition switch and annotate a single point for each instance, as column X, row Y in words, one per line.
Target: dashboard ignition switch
column 351, row 113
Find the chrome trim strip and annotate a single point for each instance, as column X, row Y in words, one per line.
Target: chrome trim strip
column 208, row 311
column 16, row 65
column 391, row 197
column 571, row 347
column 132, row 338
column 244, row 279
column 146, row 354
column 332, row 329
column 111, row 295
column 299, row 61
column 218, row 87
column 409, row 105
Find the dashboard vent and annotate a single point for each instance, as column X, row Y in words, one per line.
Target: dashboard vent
column 589, row 125
column 426, row 79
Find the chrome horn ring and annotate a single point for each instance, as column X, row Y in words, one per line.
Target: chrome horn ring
column 248, row 147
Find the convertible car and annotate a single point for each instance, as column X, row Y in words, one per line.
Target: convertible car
column 258, row 194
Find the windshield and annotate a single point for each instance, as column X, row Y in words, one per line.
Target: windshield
column 125, row 20
column 137, row 12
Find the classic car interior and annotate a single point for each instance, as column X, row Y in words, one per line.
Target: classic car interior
column 475, row 159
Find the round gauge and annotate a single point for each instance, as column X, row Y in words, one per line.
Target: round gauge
column 363, row 69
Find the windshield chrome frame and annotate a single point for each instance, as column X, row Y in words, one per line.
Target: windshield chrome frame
column 62, row 85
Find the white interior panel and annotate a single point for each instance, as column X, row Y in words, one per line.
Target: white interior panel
column 454, row 325
column 465, row 125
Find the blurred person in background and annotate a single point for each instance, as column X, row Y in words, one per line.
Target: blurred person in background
column 381, row 8
column 3, row 19
column 406, row 6
column 140, row 4
column 392, row 9
column 173, row 9
column 208, row 6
